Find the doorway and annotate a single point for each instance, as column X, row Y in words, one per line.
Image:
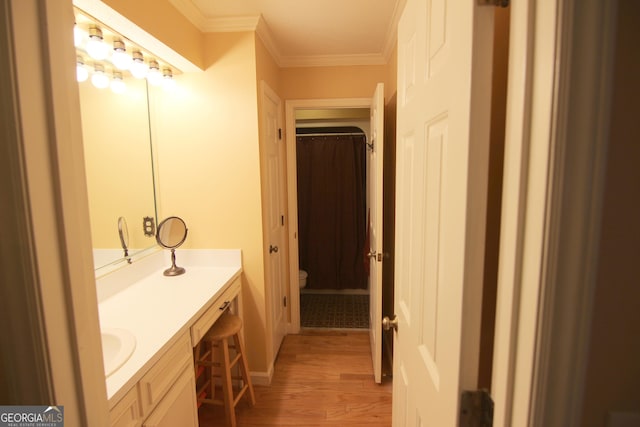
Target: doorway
column 314, row 114
column 332, row 218
column 375, row 255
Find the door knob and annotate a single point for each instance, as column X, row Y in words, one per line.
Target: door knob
column 273, row 249
column 371, row 254
column 390, row 323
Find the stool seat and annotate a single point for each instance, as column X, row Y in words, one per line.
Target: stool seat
column 227, row 328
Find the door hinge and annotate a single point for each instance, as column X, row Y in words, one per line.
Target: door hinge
column 498, row 3
column 279, row 133
column 476, row 409
column 285, row 301
column 370, row 144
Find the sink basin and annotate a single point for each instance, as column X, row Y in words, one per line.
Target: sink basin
column 117, row 348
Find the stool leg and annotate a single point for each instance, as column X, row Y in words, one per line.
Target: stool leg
column 227, row 387
column 245, row 368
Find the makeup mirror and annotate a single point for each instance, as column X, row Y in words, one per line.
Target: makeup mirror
column 172, row 232
column 123, row 232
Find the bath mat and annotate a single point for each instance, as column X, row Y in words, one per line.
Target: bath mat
column 334, row 311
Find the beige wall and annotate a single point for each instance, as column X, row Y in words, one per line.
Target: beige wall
column 206, row 138
column 206, row 132
column 267, row 69
column 613, row 369
column 332, row 82
column 166, row 24
column 391, row 82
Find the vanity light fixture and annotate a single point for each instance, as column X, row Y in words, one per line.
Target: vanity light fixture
column 82, row 74
column 168, row 81
column 120, row 58
column 96, row 47
column 139, row 69
column 117, row 83
column 155, row 76
column 112, row 57
column 99, row 78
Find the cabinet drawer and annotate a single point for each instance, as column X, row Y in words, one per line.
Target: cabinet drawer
column 202, row 325
column 126, row 413
column 155, row 384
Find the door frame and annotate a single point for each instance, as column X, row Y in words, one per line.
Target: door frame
column 292, row 188
column 559, row 87
column 50, row 248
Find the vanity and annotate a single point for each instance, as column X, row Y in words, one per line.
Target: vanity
column 167, row 316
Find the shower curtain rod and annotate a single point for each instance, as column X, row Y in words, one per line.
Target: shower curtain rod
column 332, row 133
column 367, row 143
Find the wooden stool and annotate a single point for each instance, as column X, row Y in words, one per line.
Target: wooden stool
column 226, row 327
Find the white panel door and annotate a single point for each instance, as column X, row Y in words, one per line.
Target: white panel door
column 444, row 67
column 374, row 188
column 274, row 155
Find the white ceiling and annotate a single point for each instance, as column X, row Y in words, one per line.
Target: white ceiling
column 306, row 32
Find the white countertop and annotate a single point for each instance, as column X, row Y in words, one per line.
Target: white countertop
column 157, row 309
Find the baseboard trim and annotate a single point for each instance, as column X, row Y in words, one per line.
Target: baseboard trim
column 262, row 378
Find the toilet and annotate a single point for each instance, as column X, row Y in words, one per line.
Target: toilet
column 302, row 279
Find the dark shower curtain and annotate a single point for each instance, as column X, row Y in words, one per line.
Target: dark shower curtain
column 332, row 210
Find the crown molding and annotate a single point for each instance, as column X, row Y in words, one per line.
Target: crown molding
column 215, row 25
column 391, row 38
column 263, row 31
column 191, row 12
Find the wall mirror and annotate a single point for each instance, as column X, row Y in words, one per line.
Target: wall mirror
column 118, row 150
column 117, row 131
column 119, row 168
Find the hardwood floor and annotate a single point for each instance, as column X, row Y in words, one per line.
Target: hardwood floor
column 321, row 378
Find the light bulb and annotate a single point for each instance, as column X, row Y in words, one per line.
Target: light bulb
column 96, row 47
column 117, row 83
column 168, row 83
column 79, row 35
column 155, row 76
column 120, row 58
column 99, row 79
column 139, row 69
column 82, row 74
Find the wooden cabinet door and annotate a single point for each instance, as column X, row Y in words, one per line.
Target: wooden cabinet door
column 179, row 406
